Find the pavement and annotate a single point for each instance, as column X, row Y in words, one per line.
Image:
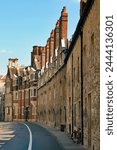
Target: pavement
column 63, row 138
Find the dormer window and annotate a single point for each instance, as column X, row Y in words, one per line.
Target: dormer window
column 32, row 77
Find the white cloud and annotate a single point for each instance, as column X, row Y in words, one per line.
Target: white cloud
column 5, row 51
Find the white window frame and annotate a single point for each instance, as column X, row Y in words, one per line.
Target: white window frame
column 32, row 93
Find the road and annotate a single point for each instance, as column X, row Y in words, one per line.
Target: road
column 25, row 136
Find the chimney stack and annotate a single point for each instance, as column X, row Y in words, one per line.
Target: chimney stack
column 43, row 56
column 13, row 62
column 56, row 35
column 35, row 50
column 63, row 25
column 51, row 44
column 47, row 53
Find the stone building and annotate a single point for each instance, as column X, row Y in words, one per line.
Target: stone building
column 61, row 87
column 2, row 91
column 68, row 89
column 11, row 70
column 20, row 92
column 91, row 75
column 51, row 103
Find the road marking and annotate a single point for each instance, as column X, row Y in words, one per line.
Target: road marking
column 6, row 133
column 5, row 139
column 30, row 138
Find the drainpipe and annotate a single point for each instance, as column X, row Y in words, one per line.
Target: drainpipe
column 24, row 99
column 12, row 99
column 72, row 99
column 29, row 107
column 82, row 132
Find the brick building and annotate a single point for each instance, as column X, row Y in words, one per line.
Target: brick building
column 20, row 92
column 68, row 89
column 61, row 87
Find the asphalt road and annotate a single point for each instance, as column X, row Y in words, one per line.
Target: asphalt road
column 26, row 136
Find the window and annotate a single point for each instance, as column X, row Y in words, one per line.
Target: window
column 74, row 76
column 92, row 49
column 56, row 51
column 22, row 110
column 69, row 106
column 75, row 115
column 8, row 110
column 78, row 70
column 16, row 95
column 33, row 92
column 32, row 77
column 84, row 60
column 16, row 81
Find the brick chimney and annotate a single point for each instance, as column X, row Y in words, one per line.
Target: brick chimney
column 36, row 50
column 51, row 44
column 43, row 56
column 40, row 57
column 47, row 52
column 13, row 62
column 36, row 57
column 56, row 35
column 63, row 25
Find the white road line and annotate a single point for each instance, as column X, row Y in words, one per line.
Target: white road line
column 2, row 143
column 6, row 132
column 30, row 138
column 5, row 139
column 6, row 135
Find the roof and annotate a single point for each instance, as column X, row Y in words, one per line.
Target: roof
column 79, row 26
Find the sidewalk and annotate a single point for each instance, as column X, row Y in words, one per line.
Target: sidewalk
column 62, row 138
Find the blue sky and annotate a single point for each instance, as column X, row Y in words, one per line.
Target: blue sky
column 25, row 23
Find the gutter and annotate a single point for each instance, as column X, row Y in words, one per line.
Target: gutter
column 82, row 123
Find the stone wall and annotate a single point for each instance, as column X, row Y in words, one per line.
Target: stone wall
column 91, row 77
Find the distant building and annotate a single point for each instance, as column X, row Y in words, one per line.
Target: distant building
column 2, row 92
column 11, row 71
column 20, row 92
